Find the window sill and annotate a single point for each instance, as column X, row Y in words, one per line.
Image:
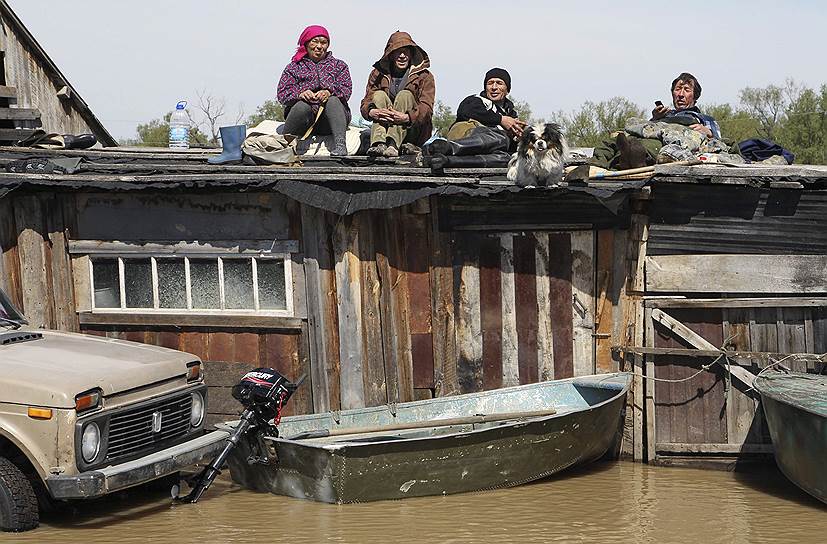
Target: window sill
column 191, row 320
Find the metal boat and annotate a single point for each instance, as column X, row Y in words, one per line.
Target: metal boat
column 492, row 439
column 795, row 406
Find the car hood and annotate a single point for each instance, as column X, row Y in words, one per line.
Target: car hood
column 50, row 371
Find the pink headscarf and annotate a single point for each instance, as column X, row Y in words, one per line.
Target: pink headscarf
column 308, row 34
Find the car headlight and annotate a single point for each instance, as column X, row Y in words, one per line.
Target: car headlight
column 197, row 413
column 90, row 442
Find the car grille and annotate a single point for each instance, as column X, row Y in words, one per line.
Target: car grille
column 130, row 431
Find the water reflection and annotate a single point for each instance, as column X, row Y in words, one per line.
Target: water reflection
column 609, row 502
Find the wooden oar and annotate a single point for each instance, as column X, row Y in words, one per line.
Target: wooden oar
column 642, row 169
column 468, row 420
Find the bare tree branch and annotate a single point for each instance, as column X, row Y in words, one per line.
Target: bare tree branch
column 212, row 108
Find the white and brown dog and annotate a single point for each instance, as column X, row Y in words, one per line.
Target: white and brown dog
column 540, row 156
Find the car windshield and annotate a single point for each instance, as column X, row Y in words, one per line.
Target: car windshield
column 8, row 313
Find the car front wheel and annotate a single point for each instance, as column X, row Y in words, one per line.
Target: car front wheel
column 18, row 503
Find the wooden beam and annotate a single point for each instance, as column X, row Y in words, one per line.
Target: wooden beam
column 716, row 172
column 19, row 114
column 261, row 179
column 681, row 330
column 443, row 322
column 349, row 299
column 510, row 369
column 737, row 273
column 766, row 302
column 320, row 289
column 246, row 247
column 35, row 284
column 15, row 134
column 744, row 358
column 651, row 430
column 8, row 92
column 187, row 320
column 698, row 341
column 681, row 448
column 582, row 286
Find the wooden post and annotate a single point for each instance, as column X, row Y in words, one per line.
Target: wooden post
column 545, row 343
column 35, row 278
column 442, row 312
column 65, row 315
column 351, row 348
column 320, row 288
column 651, row 430
column 510, row 365
column 373, row 364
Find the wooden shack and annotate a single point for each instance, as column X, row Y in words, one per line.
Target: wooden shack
column 385, row 283
column 34, row 93
column 394, row 284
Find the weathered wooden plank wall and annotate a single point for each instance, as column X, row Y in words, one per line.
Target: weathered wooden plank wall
column 37, row 86
column 36, row 270
column 392, row 306
column 525, row 307
column 690, row 412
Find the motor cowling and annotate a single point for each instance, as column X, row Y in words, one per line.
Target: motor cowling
column 262, row 390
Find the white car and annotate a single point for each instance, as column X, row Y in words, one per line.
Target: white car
column 82, row 416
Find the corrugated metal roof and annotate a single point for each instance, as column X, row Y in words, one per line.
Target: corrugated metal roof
column 699, row 219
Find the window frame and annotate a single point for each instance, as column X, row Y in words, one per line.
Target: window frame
column 219, row 251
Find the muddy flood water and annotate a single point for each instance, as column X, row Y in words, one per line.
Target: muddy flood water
column 606, row 502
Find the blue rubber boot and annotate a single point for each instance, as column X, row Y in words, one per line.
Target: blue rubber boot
column 231, row 140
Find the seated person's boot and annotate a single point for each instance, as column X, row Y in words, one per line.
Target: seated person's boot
column 632, row 152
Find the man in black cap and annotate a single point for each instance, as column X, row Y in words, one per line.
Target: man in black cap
column 490, row 108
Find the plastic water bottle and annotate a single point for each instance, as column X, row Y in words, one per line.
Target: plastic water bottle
column 179, row 127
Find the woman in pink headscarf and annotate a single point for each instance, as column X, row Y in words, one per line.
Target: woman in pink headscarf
column 315, row 78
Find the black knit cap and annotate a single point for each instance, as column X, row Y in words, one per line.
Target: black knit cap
column 500, row 73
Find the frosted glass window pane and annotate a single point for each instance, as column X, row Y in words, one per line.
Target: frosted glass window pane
column 238, row 284
column 172, row 283
column 107, row 285
column 204, row 279
column 271, row 293
column 138, row 283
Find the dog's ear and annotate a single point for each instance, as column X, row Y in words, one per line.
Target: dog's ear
column 528, row 137
column 553, row 134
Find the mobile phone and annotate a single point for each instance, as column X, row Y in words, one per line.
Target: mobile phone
column 658, row 103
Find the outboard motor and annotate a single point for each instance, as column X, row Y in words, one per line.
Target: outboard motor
column 263, row 392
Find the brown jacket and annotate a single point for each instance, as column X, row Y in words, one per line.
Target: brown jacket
column 420, row 83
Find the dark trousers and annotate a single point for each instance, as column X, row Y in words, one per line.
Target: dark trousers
column 332, row 121
column 607, row 155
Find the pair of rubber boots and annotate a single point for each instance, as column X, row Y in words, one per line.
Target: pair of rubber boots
column 483, row 147
column 480, row 141
column 231, row 140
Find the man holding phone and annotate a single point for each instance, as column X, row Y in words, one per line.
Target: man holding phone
column 685, row 93
column 625, row 151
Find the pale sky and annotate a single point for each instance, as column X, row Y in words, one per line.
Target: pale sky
column 132, row 61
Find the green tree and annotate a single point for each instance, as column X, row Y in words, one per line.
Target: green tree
column 589, row 125
column 524, row 111
column 804, row 131
column 769, row 104
column 443, row 118
column 270, row 109
column 736, row 124
column 155, row 133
